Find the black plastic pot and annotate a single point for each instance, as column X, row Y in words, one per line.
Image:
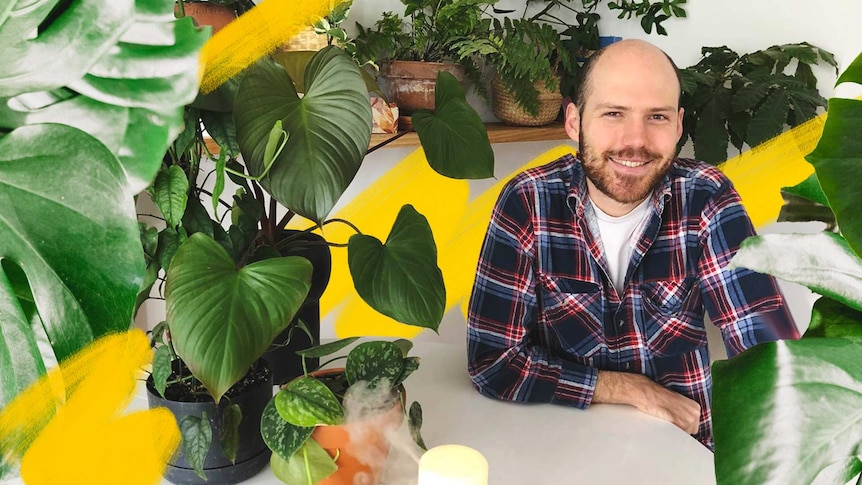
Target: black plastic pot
column 252, row 456
column 282, row 358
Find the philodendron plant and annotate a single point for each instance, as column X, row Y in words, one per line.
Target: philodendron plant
column 791, row 412
column 299, row 154
column 91, row 94
column 371, row 379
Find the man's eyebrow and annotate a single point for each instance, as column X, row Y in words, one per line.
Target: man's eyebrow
column 618, row 107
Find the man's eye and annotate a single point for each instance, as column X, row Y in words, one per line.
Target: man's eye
column 613, row 114
column 658, row 117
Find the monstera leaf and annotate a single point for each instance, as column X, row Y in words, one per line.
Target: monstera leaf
column 68, row 221
column 130, row 71
column 329, row 129
column 222, row 319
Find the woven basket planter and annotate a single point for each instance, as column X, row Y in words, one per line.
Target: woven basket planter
column 305, row 40
column 504, row 105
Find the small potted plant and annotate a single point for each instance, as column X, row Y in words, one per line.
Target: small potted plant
column 412, row 49
column 330, row 427
column 527, row 56
column 215, row 13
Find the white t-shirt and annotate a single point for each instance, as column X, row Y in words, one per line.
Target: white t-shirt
column 619, row 237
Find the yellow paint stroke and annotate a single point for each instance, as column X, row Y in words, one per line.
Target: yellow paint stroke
column 459, row 227
column 758, row 174
column 255, row 34
column 70, row 428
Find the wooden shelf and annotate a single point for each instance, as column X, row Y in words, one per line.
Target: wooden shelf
column 497, row 132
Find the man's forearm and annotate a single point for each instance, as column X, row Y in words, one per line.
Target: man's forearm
column 639, row 391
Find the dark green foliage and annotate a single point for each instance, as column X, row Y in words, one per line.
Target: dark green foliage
column 748, row 99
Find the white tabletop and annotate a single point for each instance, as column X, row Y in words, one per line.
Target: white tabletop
column 534, row 444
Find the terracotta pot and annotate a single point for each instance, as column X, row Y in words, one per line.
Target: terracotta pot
column 206, row 13
column 361, row 447
column 411, row 83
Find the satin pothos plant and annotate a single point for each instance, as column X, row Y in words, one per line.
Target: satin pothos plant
column 791, row 411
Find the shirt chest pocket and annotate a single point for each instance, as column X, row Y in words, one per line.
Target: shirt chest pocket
column 672, row 316
column 571, row 309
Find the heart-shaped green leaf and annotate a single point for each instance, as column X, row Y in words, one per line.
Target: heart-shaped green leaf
column 161, row 368
column 823, row 262
column 411, row 365
column 785, row 411
column 809, row 189
column 837, row 159
column 280, row 436
column 454, row 138
column 68, row 221
column 308, row 402
column 294, row 470
column 373, row 362
column 197, row 436
column 400, row 279
column 222, row 318
column 329, row 130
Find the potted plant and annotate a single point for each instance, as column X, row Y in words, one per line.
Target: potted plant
column 788, row 412
column 412, row 49
column 230, row 292
column 215, row 13
column 331, row 426
column 527, row 56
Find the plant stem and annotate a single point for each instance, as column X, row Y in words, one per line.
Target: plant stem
column 307, row 465
column 204, row 191
column 331, row 361
column 287, row 217
column 386, row 142
column 272, row 208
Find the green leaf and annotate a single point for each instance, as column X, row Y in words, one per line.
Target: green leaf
column 748, row 97
column 196, row 218
column 197, row 436
column 218, row 188
column 170, row 193
column 374, row 362
column 453, row 136
column 830, row 319
column 210, row 302
column 710, row 135
column 294, row 63
column 785, row 411
column 405, row 345
column 822, row 262
column 853, row 73
column 804, row 74
column 229, row 440
column 327, row 348
column 67, row 219
column 161, row 368
column 809, row 189
column 414, row 422
column 191, row 118
column 280, row 436
column 330, row 128
column 305, row 401
column 411, row 364
column 310, row 457
column 837, row 159
column 400, row 279
column 768, row 120
column 157, row 334
column 804, row 52
column 170, row 241
column 220, row 126
column 19, row 354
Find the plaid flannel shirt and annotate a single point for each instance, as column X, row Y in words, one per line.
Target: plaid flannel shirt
column 544, row 316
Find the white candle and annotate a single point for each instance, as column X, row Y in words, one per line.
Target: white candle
column 453, row 465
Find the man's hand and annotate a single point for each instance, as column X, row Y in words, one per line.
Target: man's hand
column 651, row 398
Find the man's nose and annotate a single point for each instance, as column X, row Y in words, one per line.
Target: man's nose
column 635, row 133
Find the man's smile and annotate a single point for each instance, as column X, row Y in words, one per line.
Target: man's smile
column 629, row 163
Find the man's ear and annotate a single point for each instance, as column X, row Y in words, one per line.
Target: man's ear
column 573, row 122
column 679, row 124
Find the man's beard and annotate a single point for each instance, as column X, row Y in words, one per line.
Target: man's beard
column 622, row 188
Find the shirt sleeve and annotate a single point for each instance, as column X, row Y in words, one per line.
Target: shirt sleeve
column 746, row 306
column 504, row 358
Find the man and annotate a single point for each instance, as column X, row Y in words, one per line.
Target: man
column 595, row 271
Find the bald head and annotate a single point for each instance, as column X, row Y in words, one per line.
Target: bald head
column 632, row 59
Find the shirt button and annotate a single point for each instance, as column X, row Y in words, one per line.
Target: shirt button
column 628, row 365
column 621, row 323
